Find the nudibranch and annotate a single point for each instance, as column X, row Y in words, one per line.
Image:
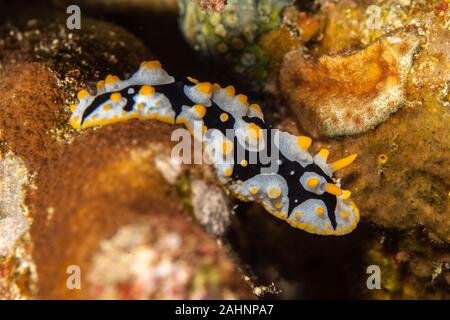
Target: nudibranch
column 293, row 185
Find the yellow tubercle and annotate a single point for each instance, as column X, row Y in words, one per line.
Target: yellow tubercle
column 154, row 64
column 320, row 211
column 254, row 190
column 147, row 90
column 230, row 91
column 342, row 163
column 224, row 117
column 345, row 215
column 304, row 142
column 205, row 87
column 256, row 107
column 274, row 192
column 312, row 182
column 254, row 131
column 227, row 147
column 333, row 189
column 346, row 194
column 74, row 122
column 200, row 110
column 111, row 79
column 116, row 97
column 100, row 84
column 279, row 214
column 242, row 98
column 82, row 94
column 324, row 153
column 228, row 172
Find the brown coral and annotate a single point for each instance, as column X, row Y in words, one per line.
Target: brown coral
column 350, row 93
column 86, row 191
column 83, row 189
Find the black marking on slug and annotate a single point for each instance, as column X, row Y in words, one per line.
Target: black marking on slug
column 175, row 93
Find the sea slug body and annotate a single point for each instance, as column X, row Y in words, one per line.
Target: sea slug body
column 296, row 187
